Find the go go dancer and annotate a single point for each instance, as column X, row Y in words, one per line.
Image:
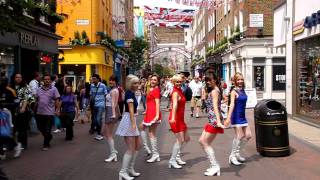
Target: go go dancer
column 214, row 126
column 176, row 121
column 128, row 129
column 237, row 117
column 152, row 118
column 112, row 116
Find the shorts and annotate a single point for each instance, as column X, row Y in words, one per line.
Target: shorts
column 196, row 101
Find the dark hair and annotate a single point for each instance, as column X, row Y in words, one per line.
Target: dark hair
column 36, row 74
column 12, row 81
column 214, row 77
column 46, row 75
column 96, row 76
column 87, row 87
column 65, row 89
column 104, row 82
column 113, row 78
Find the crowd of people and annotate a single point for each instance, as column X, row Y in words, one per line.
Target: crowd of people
column 51, row 102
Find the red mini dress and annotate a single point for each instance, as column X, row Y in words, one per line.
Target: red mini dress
column 151, row 107
column 179, row 125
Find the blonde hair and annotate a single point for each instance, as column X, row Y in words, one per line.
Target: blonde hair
column 236, row 77
column 176, row 78
column 131, row 79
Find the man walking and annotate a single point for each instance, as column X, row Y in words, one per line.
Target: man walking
column 98, row 92
column 47, row 105
column 196, row 87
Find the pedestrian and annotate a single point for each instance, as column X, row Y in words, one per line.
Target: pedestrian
column 6, row 135
column 151, row 119
column 144, row 95
column 59, row 82
column 196, row 87
column 168, row 92
column 176, row 121
column 128, row 129
column 112, row 116
column 98, row 92
column 34, row 85
column 47, row 105
column 84, row 99
column 69, row 108
column 237, row 118
column 138, row 94
column 214, row 126
column 22, row 114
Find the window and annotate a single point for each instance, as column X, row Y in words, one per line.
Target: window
column 186, row 43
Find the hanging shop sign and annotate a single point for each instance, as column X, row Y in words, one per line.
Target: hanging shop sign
column 298, row 27
column 312, row 20
column 28, row 39
column 46, row 59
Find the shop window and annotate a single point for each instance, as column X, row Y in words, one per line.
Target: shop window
column 259, row 78
column 279, row 77
column 308, row 72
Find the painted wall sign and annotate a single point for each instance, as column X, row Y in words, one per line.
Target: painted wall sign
column 82, row 22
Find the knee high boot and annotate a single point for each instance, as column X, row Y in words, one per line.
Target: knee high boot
column 145, row 142
column 123, row 174
column 131, row 166
column 214, row 165
column 232, row 158
column 173, row 162
column 155, row 154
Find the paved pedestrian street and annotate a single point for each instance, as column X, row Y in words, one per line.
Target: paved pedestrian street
column 83, row 158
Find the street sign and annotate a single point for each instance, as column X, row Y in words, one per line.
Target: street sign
column 82, row 22
column 120, row 43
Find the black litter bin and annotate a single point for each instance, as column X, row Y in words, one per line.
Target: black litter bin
column 271, row 125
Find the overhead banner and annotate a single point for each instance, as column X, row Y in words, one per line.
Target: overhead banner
column 167, row 17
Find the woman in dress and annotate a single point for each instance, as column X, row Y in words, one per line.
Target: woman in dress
column 112, row 116
column 176, row 121
column 69, row 105
column 128, row 129
column 237, row 117
column 214, row 126
column 152, row 119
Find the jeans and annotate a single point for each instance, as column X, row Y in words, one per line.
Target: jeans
column 44, row 123
column 98, row 115
column 67, row 120
column 143, row 100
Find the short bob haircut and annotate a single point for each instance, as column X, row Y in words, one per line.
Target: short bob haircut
column 176, row 78
column 131, row 79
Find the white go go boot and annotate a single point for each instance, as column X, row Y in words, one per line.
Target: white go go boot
column 214, row 165
column 173, row 162
column 144, row 139
column 242, row 143
column 123, row 174
column 232, row 158
column 131, row 170
column 114, row 152
column 155, row 154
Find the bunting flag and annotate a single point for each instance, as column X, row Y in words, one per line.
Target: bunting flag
column 204, row 3
column 166, row 17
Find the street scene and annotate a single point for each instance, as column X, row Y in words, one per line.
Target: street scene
column 159, row 89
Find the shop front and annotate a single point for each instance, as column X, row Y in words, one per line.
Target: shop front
column 29, row 50
column 308, row 78
column 80, row 62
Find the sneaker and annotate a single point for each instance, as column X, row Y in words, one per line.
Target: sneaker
column 197, row 115
column 57, row 131
column 191, row 114
column 99, row 137
column 45, row 148
column 17, row 150
column 3, row 157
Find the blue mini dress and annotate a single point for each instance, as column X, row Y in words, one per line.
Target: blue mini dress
column 238, row 117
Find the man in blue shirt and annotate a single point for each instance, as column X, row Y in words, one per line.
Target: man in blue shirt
column 98, row 92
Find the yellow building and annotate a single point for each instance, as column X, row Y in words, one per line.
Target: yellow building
column 95, row 18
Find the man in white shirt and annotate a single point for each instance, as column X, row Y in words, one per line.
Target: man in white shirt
column 196, row 87
column 35, row 83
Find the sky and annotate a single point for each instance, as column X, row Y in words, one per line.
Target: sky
column 161, row 3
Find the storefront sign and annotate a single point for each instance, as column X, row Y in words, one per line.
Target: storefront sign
column 82, row 22
column 256, row 20
column 298, row 27
column 29, row 39
column 279, row 78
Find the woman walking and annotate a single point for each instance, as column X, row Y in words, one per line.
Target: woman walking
column 69, row 105
column 176, row 121
column 237, row 117
column 112, row 116
column 152, row 119
column 214, row 126
column 128, row 129
column 84, row 104
column 21, row 115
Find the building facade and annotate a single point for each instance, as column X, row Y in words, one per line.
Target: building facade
column 94, row 18
column 298, row 29
column 118, row 19
column 34, row 45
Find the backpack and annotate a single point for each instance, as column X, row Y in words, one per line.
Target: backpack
column 188, row 93
column 5, row 126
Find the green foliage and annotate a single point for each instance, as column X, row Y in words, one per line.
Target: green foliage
column 163, row 71
column 80, row 41
column 136, row 52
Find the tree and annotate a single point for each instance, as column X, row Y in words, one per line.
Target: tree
column 158, row 69
column 136, row 53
